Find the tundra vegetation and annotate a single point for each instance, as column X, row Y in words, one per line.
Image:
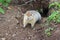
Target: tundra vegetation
column 4, row 3
column 54, row 17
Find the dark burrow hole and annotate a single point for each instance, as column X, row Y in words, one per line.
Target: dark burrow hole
column 45, row 12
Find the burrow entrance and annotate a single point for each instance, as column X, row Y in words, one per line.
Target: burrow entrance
column 37, row 4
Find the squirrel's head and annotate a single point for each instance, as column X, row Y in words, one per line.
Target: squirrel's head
column 29, row 16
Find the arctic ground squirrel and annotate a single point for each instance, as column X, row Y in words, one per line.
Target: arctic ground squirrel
column 31, row 17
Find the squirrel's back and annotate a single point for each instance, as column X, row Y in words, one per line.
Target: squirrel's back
column 36, row 14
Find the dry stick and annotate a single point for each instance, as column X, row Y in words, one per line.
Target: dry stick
column 27, row 2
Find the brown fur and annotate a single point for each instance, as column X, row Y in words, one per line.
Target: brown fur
column 28, row 14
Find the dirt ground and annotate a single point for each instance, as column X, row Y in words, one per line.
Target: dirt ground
column 11, row 27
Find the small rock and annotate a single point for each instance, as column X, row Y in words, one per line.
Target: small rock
column 13, row 35
column 3, row 38
column 29, row 37
column 16, row 27
column 6, row 33
column 9, row 20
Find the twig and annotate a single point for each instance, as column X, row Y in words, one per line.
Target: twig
column 27, row 2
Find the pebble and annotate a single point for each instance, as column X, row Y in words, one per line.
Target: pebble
column 29, row 37
column 13, row 35
column 6, row 33
column 16, row 27
column 3, row 38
